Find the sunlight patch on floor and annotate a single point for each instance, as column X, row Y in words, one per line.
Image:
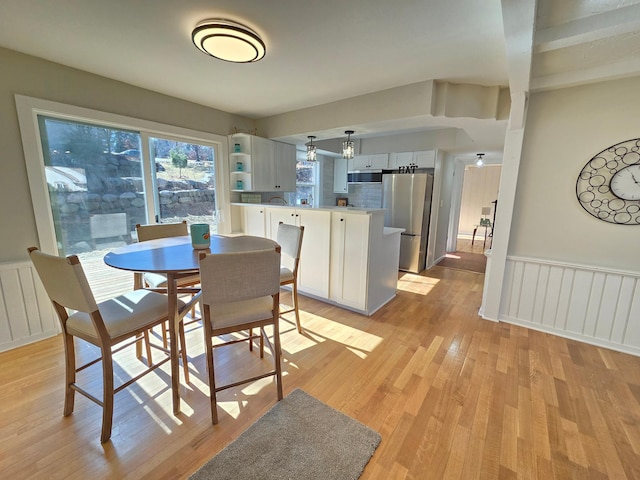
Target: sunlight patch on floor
column 333, row 331
column 451, row 255
column 416, row 284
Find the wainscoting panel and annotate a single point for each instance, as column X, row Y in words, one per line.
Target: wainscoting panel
column 26, row 314
column 590, row 304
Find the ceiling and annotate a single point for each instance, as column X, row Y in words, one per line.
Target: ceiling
column 321, row 52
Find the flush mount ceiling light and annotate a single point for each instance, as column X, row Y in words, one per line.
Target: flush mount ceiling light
column 311, row 149
column 480, row 161
column 228, row 40
column 347, row 145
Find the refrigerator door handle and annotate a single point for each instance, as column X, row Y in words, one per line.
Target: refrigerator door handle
column 409, row 234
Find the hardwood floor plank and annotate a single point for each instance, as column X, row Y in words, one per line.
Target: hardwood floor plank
column 452, row 395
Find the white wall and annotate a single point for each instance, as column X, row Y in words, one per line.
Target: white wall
column 567, row 272
column 565, row 129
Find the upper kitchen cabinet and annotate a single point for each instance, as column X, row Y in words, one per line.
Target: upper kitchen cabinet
column 340, row 167
column 369, row 162
column 423, row 159
column 261, row 165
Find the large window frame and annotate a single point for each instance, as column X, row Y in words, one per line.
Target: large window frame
column 30, row 108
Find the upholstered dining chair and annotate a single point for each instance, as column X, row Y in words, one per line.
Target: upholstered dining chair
column 105, row 324
column 158, row 282
column 240, row 291
column 289, row 237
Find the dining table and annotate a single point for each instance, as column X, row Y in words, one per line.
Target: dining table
column 176, row 258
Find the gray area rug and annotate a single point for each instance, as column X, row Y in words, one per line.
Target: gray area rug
column 299, row 438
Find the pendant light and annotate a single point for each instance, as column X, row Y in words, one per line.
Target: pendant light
column 347, row 146
column 480, row 161
column 311, row 149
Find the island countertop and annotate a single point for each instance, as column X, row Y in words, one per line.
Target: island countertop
column 320, row 208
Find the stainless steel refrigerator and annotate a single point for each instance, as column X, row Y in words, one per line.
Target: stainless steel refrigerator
column 407, row 200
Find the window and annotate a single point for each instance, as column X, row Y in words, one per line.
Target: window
column 93, row 176
column 307, row 175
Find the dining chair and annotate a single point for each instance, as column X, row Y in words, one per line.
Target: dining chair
column 157, row 282
column 240, row 291
column 289, row 237
column 105, row 325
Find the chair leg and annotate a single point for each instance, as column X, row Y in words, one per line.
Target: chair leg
column 206, row 324
column 165, row 344
column 294, row 297
column 276, row 354
column 183, row 352
column 70, row 375
column 107, row 396
column 262, row 335
column 148, row 347
column 251, row 339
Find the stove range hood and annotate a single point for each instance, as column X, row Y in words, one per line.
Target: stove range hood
column 365, row 176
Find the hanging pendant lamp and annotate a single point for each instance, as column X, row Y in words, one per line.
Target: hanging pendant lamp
column 348, row 148
column 311, row 149
column 480, row 161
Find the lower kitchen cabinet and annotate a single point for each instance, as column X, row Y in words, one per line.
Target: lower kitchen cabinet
column 349, row 259
column 254, row 221
column 313, row 272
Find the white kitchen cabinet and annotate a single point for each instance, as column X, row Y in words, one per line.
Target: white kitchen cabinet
column 349, row 259
column 261, row 165
column 254, row 220
column 313, row 272
column 422, row 159
column 340, row 168
column 369, row 162
column 425, row 159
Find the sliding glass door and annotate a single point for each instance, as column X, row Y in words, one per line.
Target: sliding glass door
column 185, row 181
column 102, row 181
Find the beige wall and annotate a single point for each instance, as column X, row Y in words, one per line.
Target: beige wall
column 565, row 129
column 26, row 75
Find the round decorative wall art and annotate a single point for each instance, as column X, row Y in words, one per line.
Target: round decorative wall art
column 608, row 186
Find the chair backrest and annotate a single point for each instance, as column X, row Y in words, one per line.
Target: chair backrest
column 232, row 277
column 161, row 230
column 64, row 280
column 289, row 237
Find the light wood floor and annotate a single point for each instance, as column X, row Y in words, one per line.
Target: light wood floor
column 452, row 395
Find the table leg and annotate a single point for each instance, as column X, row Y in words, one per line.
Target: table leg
column 473, row 239
column 174, row 322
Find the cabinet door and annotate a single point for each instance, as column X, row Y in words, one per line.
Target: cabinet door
column 400, row 159
column 254, row 218
column 340, row 175
column 277, row 215
column 359, row 162
column 426, row 159
column 263, row 164
column 349, row 259
column 379, row 161
column 285, row 161
column 313, row 271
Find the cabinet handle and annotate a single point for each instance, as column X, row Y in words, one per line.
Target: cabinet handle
column 342, row 219
column 292, row 214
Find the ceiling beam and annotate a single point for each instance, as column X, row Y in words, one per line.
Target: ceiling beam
column 519, row 20
column 589, row 29
column 573, row 78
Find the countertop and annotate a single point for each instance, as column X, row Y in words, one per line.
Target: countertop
column 325, row 208
column 392, row 230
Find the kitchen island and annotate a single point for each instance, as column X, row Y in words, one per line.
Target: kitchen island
column 348, row 257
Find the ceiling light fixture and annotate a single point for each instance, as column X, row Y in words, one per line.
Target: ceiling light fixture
column 480, row 161
column 347, row 146
column 228, row 40
column 311, row 150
